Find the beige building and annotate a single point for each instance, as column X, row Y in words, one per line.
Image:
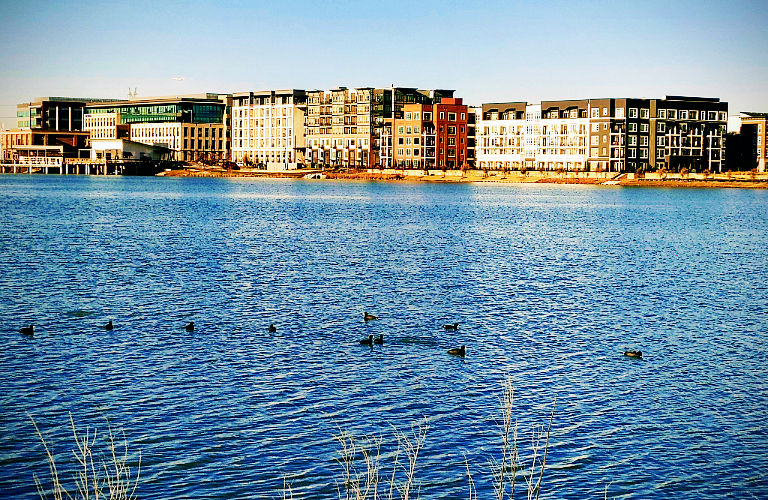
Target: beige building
column 268, row 127
column 192, row 126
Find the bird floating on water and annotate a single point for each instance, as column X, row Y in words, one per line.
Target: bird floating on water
column 453, row 327
column 458, row 351
column 633, row 354
column 368, row 341
column 272, row 328
column 369, row 317
column 379, row 340
column 190, row 327
column 28, row 331
column 109, row 325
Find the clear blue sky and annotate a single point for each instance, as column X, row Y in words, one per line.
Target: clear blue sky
column 487, row 51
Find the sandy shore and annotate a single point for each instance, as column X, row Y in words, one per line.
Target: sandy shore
column 476, row 176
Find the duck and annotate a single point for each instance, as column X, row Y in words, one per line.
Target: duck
column 272, row 328
column 190, row 327
column 379, row 340
column 633, row 354
column 109, row 325
column 458, row 351
column 453, row 327
column 369, row 317
column 28, row 331
column 368, row 341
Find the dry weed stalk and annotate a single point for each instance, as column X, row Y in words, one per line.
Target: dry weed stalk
column 96, row 478
column 364, row 483
column 506, row 471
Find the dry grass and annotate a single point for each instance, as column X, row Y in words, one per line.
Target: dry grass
column 97, row 476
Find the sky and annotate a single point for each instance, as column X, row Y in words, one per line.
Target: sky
column 489, row 51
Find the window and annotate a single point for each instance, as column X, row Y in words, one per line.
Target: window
column 644, row 113
column 604, row 151
column 644, row 127
column 712, row 115
column 451, row 117
column 605, row 126
column 632, row 153
column 451, row 152
column 605, row 111
column 694, row 115
column 643, row 140
column 427, row 116
column 593, row 152
column 633, row 112
column 633, row 127
column 632, row 140
column 415, row 129
column 672, row 114
column 452, row 130
column 408, row 130
column 662, row 113
column 408, row 152
column 659, row 141
column 659, row 153
column 595, row 140
column 595, row 127
column 723, row 116
column 463, row 116
column 451, row 141
column 408, row 141
column 643, row 153
column 400, row 130
column 619, row 113
column 408, row 116
column 400, row 151
column 661, row 127
column 416, row 116
column 595, row 113
column 605, row 139
column 442, row 115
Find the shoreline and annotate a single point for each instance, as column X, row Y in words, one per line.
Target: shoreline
column 744, row 180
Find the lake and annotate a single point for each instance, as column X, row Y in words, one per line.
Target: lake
column 550, row 285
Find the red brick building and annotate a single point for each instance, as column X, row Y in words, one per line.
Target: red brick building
column 427, row 136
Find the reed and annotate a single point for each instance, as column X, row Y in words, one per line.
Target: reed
column 97, row 475
column 361, row 461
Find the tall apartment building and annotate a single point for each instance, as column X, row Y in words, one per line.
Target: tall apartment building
column 427, row 136
column 344, row 126
column 612, row 135
column 754, row 133
column 268, row 126
column 193, row 126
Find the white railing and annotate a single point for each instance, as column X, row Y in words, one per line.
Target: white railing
column 53, row 161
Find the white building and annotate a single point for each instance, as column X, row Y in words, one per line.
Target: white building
column 268, row 127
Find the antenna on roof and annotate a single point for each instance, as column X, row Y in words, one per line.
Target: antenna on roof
column 133, row 94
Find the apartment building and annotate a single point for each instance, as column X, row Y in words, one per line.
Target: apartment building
column 268, row 127
column 754, row 133
column 427, row 136
column 613, row 135
column 192, row 126
column 345, row 126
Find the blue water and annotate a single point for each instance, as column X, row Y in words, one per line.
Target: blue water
column 550, row 285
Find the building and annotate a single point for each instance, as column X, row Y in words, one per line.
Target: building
column 613, row 135
column 193, row 126
column 48, row 121
column 268, row 128
column 345, row 126
column 427, row 136
column 123, row 149
column 754, row 132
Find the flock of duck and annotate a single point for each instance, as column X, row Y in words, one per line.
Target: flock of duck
column 371, row 341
